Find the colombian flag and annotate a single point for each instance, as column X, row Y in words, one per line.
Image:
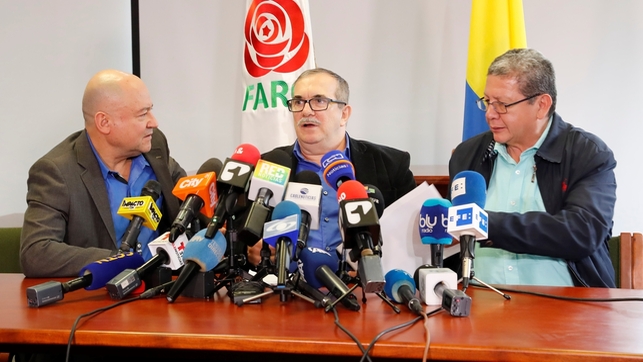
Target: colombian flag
column 496, row 26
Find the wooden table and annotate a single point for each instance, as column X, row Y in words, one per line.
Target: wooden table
column 525, row 328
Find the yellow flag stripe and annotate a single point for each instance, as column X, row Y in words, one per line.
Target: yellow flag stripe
column 496, row 26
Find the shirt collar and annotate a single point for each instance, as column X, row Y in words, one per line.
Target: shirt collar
column 105, row 171
column 502, row 148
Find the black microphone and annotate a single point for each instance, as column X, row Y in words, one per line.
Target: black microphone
column 305, row 190
column 232, row 182
column 130, row 279
column 199, row 194
column 336, row 287
column 267, row 188
column 141, row 211
column 360, row 230
column 376, row 196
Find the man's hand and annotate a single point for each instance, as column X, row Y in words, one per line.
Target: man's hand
column 254, row 253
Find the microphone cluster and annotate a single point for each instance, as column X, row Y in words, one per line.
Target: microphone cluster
column 250, row 198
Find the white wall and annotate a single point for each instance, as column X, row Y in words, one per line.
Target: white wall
column 404, row 60
column 48, row 52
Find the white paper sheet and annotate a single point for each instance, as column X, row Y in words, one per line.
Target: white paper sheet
column 402, row 247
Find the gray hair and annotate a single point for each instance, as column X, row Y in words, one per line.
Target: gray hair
column 342, row 92
column 534, row 73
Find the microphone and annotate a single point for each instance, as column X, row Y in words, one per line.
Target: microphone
column 433, row 228
column 306, row 281
column 305, row 191
column 173, row 250
column 467, row 219
column 267, row 188
column 280, row 233
column 165, row 253
column 200, row 254
column 198, row 193
column 438, row 286
column 337, row 168
column 401, row 288
column 93, row 276
column 376, row 196
column 317, row 268
column 378, row 200
column 232, row 182
column 336, row 287
column 142, row 211
column 359, row 226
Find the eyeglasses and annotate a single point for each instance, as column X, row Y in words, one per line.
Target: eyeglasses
column 316, row 103
column 499, row 107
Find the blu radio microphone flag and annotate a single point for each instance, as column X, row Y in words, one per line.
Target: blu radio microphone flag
column 278, row 48
column 496, row 26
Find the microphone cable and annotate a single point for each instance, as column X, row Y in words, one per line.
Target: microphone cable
column 560, row 297
column 427, row 333
column 145, row 295
column 351, row 335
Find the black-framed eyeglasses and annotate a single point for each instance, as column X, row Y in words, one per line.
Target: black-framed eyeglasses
column 315, row 103
column 500, row 107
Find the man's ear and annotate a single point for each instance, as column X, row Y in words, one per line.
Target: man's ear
column 346, row 114
column 544, row 105
column 102, row 122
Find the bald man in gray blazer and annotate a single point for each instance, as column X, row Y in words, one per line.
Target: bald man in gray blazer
column 68, row 223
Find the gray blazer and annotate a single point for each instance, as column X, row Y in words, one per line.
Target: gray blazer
column 68, row 223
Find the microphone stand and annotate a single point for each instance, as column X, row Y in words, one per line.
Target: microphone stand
column 343, row 274
column 470, row 253
column 234, row 272
column 504, row 295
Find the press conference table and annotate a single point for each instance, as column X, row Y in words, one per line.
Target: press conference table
column 525, row 328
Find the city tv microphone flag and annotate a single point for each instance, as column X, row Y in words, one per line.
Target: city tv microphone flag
column 278, row 48
column 496, row 26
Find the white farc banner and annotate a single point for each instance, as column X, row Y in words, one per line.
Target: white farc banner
column 278, row 48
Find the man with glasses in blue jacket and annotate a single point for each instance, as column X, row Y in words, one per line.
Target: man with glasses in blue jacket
column 551, row 187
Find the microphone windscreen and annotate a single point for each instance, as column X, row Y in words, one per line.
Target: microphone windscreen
column 211, row 165
column 152, row 188
column 279, row 157
column 351, row 190
column 469, row 187
column 105, row 269
column 307, row 177
column 394, row 280
column 207, row 253
column 310, row 259
column 376, row 196
column 284, row 209
column 246, row 153
column 337, row 168
column 433, row 223
column 284, row 224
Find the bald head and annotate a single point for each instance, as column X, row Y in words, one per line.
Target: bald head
column 105, row 92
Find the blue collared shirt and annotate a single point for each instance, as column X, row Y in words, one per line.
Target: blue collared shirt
column 514, row 188
column 118, row 189
column 328, row 236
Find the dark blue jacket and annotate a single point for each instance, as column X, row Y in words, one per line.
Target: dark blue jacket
column 575, row 171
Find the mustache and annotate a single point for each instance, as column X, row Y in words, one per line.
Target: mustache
column 308, row 121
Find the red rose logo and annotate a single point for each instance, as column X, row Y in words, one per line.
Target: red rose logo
column 275, row 37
